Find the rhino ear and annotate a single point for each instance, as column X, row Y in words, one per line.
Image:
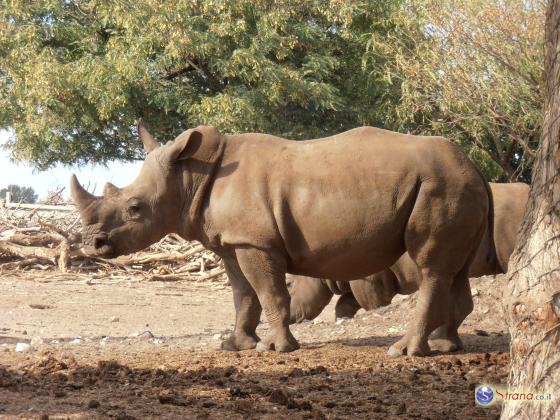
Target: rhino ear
column 185, row 146
column 147, row 140
column 110, row 190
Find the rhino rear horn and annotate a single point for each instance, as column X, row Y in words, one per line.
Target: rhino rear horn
column 82, row 198
column 110, row 189
column 147, row 140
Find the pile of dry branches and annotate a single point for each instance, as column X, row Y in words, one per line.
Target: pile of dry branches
column 50, row 240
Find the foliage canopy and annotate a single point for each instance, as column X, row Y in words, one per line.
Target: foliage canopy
column 75, row 75
column 470, row 70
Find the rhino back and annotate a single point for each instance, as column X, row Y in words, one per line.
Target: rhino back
column 330, row 203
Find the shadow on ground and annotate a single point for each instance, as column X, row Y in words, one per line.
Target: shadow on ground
column 497, row 342
column 351, row 379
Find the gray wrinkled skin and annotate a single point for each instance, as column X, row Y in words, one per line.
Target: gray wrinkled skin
column 341, row 208
column 309, row 295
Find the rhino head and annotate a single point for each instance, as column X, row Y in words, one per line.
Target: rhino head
column 163, row 199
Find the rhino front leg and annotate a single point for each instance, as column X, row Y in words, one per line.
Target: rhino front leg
column 247, row 311
column 267, row 274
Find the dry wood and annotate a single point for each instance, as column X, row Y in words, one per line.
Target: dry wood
column 53, row 228
column 49, row 241
column 64, row 256
column 14, row 265
column 150, row 258
column 29, row 251
column 39, row 239
column 43, row 207
column 174, row 277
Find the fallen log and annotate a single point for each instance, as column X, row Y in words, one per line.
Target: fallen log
column 14, row 265
column 159, row 257
column 175, row 277
column 40, row 239
column 44, row 253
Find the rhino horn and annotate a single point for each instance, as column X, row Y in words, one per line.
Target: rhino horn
column 80, row 195
column 110, row 189
column 147, row 139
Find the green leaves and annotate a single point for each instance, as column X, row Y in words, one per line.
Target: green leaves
column 468, row 70
column 75, row 75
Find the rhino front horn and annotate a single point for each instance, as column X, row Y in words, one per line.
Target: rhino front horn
column 147, row 140
column 80, row 195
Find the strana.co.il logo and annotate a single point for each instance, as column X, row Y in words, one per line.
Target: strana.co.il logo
column 484, row 395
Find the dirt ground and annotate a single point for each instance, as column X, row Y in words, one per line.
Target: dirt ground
column 125, row 349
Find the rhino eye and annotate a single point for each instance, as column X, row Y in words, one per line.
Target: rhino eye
column 133, row 210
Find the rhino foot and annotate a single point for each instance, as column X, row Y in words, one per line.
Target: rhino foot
column 445, row 339
column 282, row 345
column 413, row 346
column 238, row 342
column 262, row 347
column 445, row 345
column 394, row 352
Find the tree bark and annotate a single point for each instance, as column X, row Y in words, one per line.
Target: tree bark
column 533, row 291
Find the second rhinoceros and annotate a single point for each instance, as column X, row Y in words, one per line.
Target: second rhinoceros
column 309, row 296
column 341, row 207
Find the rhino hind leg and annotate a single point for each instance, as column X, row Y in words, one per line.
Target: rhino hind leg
column 446, row 337
column 247, row 311
column 267, row 275
column 442, row 264
column 346, row 306
column 431, row 311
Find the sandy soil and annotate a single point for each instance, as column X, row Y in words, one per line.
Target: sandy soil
column 133, row 349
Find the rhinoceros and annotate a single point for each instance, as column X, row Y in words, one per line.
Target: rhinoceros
column 341, row 207
column 309, row 296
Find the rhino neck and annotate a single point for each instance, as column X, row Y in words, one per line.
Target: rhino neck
column 202, row 173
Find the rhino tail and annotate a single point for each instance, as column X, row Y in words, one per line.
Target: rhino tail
column 492, row 257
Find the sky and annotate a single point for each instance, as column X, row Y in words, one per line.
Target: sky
column 94, row 176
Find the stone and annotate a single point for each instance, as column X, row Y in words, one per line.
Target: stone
column 23, row 347
column 279, row 396
column 93, row 404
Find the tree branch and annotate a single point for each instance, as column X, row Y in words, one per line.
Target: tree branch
column 202, row 69
column 177, row 73
column 524, row 145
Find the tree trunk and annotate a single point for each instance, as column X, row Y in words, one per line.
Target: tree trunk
column 533, row 290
